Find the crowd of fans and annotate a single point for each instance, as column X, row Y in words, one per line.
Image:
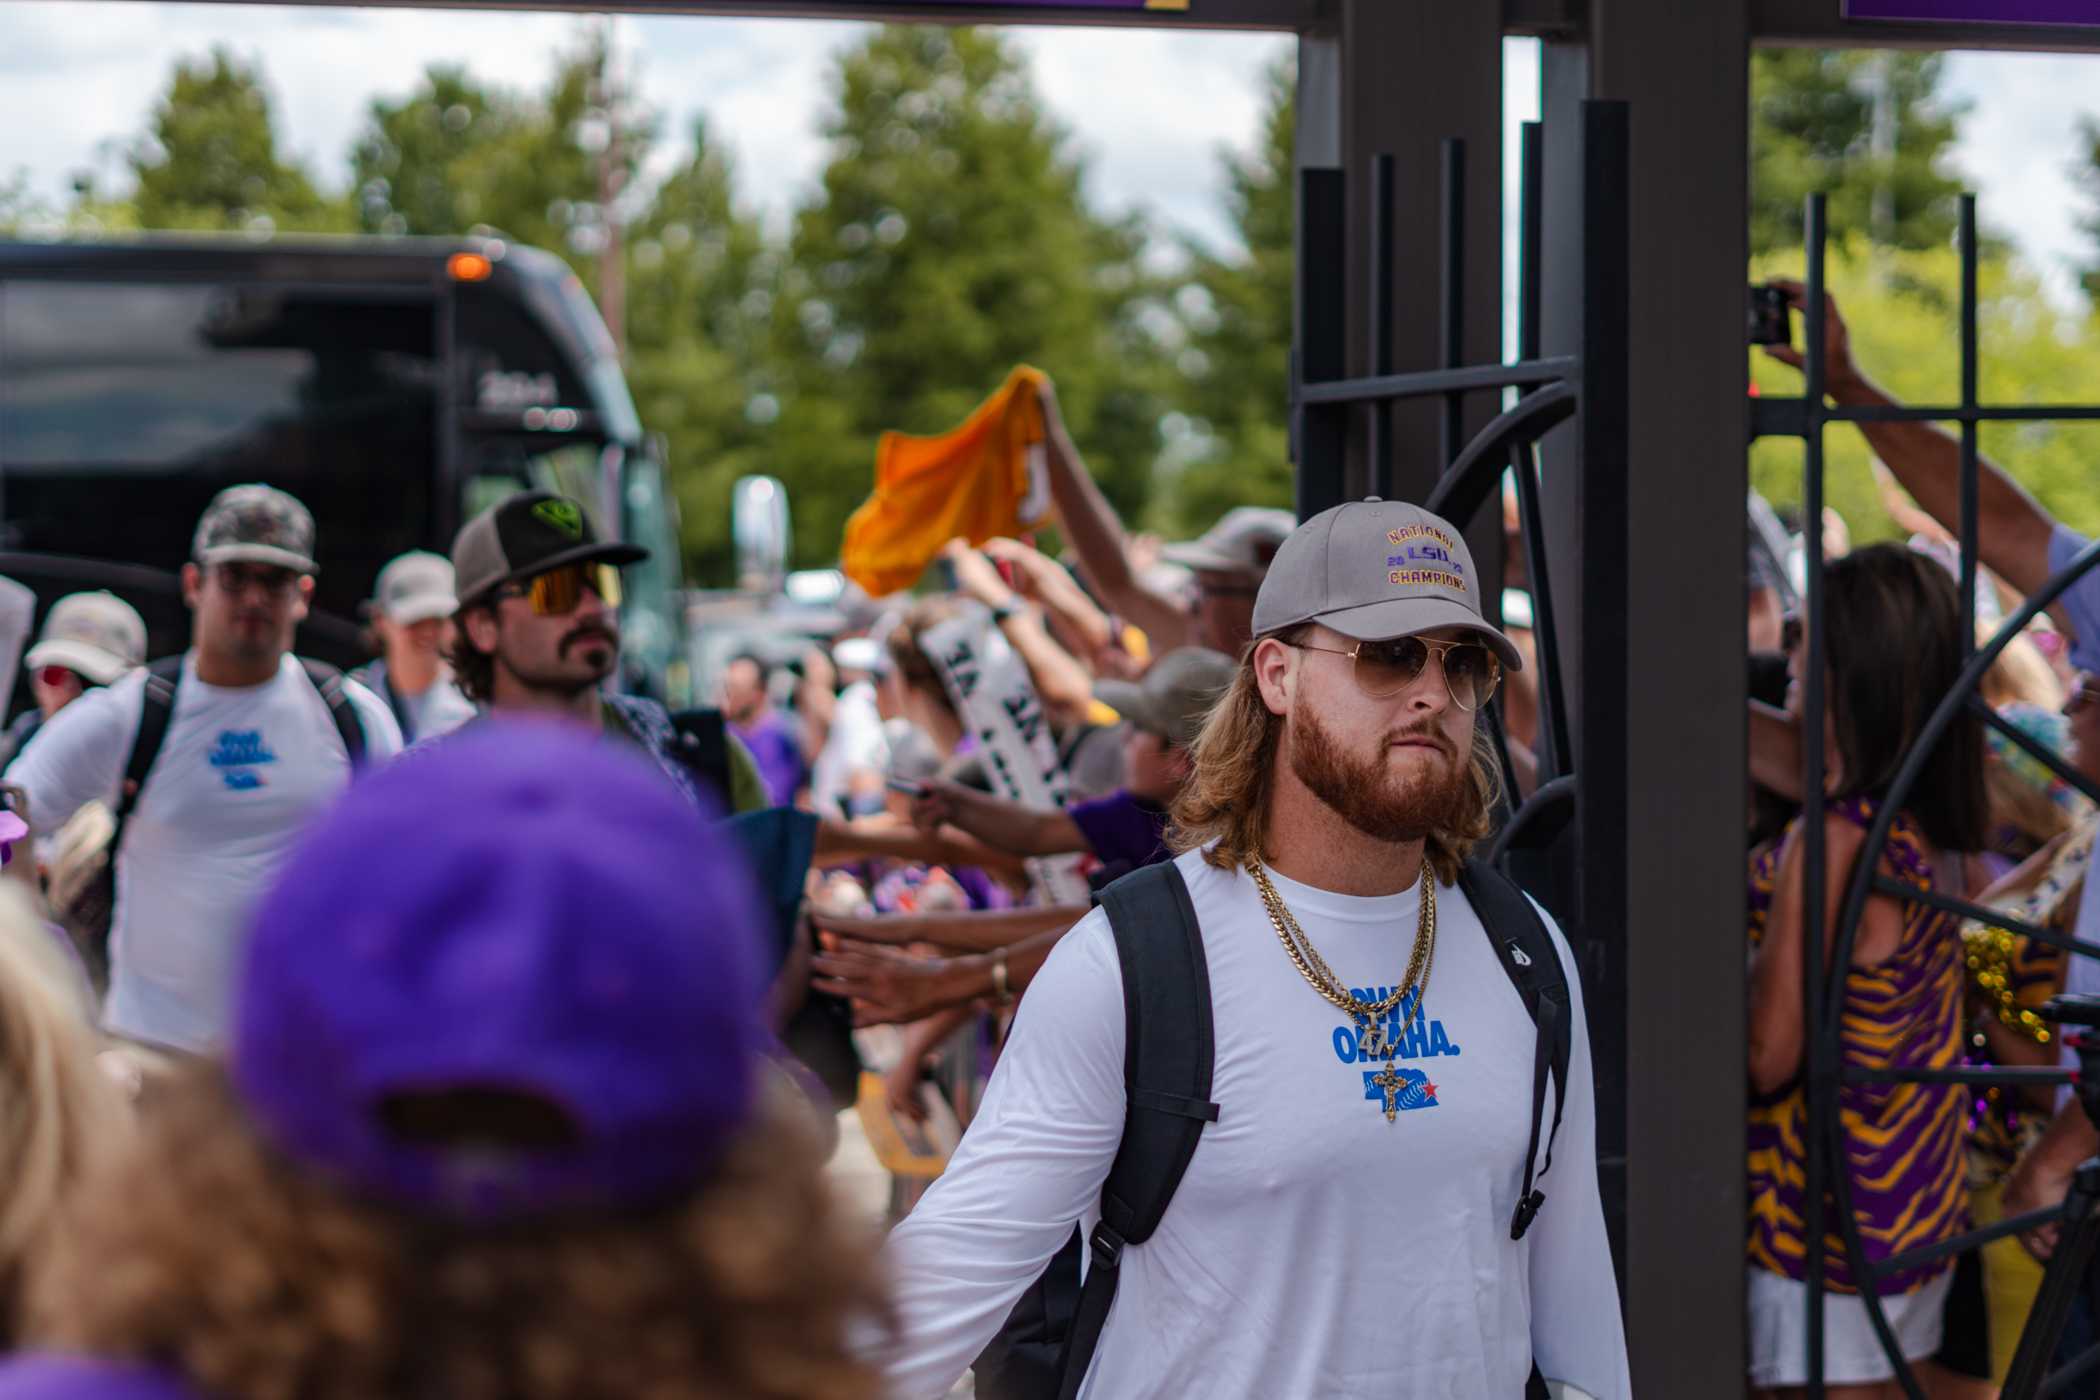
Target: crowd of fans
column 495, row 1076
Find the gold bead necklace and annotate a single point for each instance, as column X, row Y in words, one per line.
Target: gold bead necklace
column 1314, row 969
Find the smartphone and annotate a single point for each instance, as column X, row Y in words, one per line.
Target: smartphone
column 1770, row 317
column 907, row 787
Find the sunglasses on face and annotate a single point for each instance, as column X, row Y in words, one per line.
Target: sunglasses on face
column 239, row 578
column 1471, row 672
column 556, row 592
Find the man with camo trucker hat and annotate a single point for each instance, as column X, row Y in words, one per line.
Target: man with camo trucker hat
column 236, row 742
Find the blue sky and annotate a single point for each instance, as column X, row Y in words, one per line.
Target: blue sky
column 1149, row 109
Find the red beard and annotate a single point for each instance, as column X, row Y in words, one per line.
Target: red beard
column 1370, row 797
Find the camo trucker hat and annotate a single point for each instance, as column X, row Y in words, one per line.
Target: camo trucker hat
column 256, row 524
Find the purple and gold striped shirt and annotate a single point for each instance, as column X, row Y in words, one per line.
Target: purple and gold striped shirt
column 1903, row 1143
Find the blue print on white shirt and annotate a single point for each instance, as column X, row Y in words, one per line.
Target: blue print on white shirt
column 1404, row 1033
column 1422, row 1039
column 239, row 755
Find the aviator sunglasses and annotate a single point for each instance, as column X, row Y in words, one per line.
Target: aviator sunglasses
column 556, row 592
column 1471, row 672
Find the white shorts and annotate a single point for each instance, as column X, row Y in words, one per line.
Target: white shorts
column 1852, row 1353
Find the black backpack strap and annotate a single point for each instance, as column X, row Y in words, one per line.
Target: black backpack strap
column 1527, row 954
column 1167, row 1063
column 155, row 710
column 329, row 682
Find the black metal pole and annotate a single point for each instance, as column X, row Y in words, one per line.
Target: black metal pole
column 1531, row 231
column 1320, row 431
column 1452, row 333
column 1968, row 424
column 1381, row 440
column 1818, row 1082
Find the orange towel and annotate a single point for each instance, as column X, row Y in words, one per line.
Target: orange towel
column 973, row 482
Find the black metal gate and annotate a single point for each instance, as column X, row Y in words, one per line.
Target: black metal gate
column 1564, row 840
column 1828, row 1193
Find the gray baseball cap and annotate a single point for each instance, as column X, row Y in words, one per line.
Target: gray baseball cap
column 98, row 635
column 1244, row 540
column 415, row 587
column 1374, row 569
column 256, row 524
column 1173, row 697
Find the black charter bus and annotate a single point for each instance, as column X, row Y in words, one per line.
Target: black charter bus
column 396, row 386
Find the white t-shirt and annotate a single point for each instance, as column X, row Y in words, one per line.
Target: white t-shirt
column 855, row 742
column 1314, row 1248
column 440, row 709
column 238, row 773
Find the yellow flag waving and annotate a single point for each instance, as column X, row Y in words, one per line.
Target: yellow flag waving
column 984, row 479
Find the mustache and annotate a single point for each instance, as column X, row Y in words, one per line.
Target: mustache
column 1423, row 734
column 590, row 632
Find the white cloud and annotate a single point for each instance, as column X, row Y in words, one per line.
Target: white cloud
column 2017, row 147
column 1148, row 109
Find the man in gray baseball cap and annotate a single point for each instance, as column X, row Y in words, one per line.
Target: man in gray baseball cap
column 1339, row 786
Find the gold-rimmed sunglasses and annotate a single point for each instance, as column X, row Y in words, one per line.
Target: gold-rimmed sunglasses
column 1471, row 672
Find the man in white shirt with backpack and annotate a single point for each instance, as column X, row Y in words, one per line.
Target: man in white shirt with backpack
column 211, row 762
column 1307, row 1089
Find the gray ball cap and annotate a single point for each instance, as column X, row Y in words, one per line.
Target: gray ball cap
column 1173, row 697
column 1374, row 569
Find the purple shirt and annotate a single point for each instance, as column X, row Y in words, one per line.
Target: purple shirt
column 777, row 750
column 1125, row 832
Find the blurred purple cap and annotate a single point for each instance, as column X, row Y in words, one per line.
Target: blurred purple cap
column 83, row 1378
column 524, row 910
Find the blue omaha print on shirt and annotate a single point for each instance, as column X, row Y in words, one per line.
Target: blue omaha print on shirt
column 239, row 755
column 1423, row 1039
column 1400, row 1090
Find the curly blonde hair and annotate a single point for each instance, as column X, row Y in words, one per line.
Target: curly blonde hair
column 1226, row 799
column 58, row 1110
column 205, row 1251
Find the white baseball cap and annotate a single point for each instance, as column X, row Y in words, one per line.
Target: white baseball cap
column 98, row 635
column 415, row 588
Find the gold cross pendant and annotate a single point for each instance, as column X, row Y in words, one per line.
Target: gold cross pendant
column 1392, row 1083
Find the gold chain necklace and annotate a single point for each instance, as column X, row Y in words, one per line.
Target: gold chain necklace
column 1314, row 969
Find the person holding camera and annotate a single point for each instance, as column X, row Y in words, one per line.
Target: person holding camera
column 2018, row 540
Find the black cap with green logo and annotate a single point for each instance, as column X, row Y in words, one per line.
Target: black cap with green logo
column 528, row 534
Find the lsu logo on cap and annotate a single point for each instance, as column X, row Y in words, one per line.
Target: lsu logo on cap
column 1423, row 554
column 564, row 516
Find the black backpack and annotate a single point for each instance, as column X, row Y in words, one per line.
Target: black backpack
column 87, row 917
column 1047, row 1343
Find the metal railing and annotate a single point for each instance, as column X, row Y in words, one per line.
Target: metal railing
column 1827, row 1186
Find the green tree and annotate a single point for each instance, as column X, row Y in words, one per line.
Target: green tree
column 697, row 340
column 1236, row 308
column 2085, row 172
column 455, row 156
column 1905, row 334
column 1813, row 118
column 210, row 159
column 952, row 240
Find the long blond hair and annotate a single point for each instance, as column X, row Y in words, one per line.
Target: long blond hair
column 1226, row 799
column 58, row 1109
